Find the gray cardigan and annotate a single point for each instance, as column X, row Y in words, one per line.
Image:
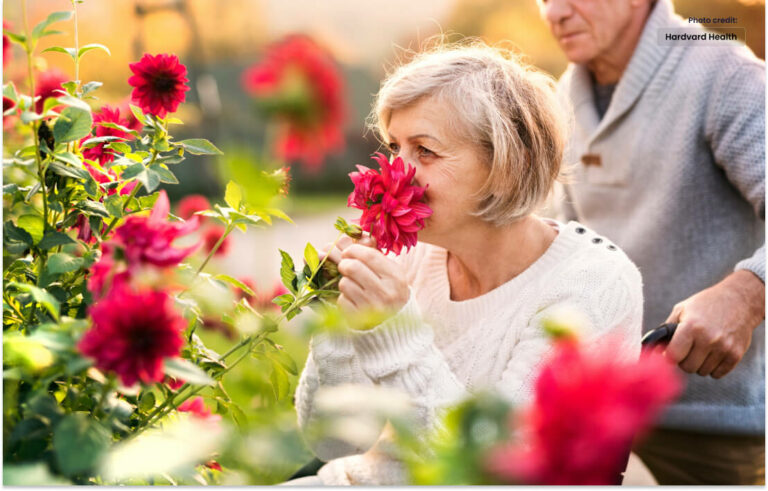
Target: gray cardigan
column 680, row 186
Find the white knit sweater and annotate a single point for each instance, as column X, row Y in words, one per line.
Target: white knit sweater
column 438, row 351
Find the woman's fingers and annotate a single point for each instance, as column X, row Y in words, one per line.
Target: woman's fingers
column 355, row 293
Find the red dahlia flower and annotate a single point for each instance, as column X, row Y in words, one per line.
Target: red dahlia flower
column 392, row 209
column 159, row 83
column 588, row 407
column 132, row 333
column 49, row 85
column 299, row 83
column 8, row 104
column 189, row 205
column 148, row 240
column 106, row 114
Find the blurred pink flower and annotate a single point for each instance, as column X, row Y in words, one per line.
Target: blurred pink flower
column 191, row 204
column 132, row 333
column 588, row 407
column 7, row 48
column 393, row 212
column 49, row 85
column 159, row 83
column 197, row 408
column 262, row 300
column 300, row 84
column 211, row 236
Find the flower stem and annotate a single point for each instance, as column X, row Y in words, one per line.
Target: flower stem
column 230, row 228
column 77, row 56
column 133, row 194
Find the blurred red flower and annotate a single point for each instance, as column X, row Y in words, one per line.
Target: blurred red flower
column 299, row 83
column 7, row 49
column 211, row 236
column 392, row 209
column 148, row 240
column 132, row 333
column 132, row 122
column 262, row 300
column 197, row 408
column 174, row 383
column 106, row 114
column 159, row 83
column 588, row 407
column 8, row 104
column 191, row 204
column 49, row 85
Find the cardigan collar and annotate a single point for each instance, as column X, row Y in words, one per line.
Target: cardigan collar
column 645, row 61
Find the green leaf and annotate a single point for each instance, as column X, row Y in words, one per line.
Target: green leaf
column 58, row 49
column 74, row 102
column 238, row 415
column 311, row 257
column 29, row 116
column 118, row 146
column 73, row 124
column 92, row 46
column 114, row 205
column 149, row 179
column 279, row 381
column 284, row 359
column 66, row 171
column 69, row 158
column 37, row 32
column 13, row 234
column 40, row 296
column 20, row 350
column 79, row 443
column 147, row 401
column 92, row 142
column 36, row 474
column 233, row 195
column 287, row 271
column 137, row 112
column 9, row 91
column 199, row 146
column 16, row 38
column 92, row 208
column 33, row 224
column 90, row 87
column 189, row 372
column 235, row 282
column 53, row 238
column 279, row 214
column 165, row 174
column 132, row 171
column 62, row 262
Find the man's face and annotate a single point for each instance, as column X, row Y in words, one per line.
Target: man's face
column 586, row 29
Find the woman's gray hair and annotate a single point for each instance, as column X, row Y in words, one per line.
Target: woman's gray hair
column 501, row 103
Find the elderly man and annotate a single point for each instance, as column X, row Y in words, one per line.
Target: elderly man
column 669, row 162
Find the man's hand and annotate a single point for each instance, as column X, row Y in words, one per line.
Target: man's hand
column 715, row 325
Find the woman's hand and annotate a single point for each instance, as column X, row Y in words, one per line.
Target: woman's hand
column 369, row 278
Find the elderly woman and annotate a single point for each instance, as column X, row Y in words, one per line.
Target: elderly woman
column 485, row 134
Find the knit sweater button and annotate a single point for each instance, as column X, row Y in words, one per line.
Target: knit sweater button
column 580, row 230
column 597, row 240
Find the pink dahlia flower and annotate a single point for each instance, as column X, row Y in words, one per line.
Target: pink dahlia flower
column 588, row 407
column 392, row 209
column 106, row 114
column 132, row 333
column 148, row 240
column 159, row 83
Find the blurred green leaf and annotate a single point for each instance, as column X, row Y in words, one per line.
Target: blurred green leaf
column 73, row 124
column 79, row 443
column 36, row 474
column 67, row 171
column 311, row 257
column 233, row 195
column 234, row 282
column 147, row 401
column 185, row 370
column 20, row 350
column 90, row 87
column 39, row 29
column 92, row 46
column 279, row 380
column 92, row 208
column 284, row 359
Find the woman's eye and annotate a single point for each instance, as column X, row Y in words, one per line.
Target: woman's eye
column 425, row 152
column 394, row 147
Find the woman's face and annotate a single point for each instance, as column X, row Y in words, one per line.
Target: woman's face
column 451, row 166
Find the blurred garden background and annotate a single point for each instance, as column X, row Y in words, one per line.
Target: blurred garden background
column 219, row 41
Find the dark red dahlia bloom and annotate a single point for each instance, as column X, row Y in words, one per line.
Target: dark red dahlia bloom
column 588, row 407
column 173, row 383
column 49, row 85
column 148, row 240
column 299, row 83
column 7, row 50
column 159, row 83
column 106, row 114
column 392, row 209
column 189, row 205
column 8, row 104
column 211, row 236
column 132, row 333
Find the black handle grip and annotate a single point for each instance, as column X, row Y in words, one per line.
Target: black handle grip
column 661, row 335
